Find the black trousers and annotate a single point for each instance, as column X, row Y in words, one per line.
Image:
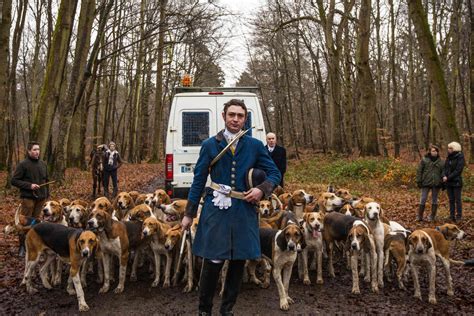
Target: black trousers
column 455, row 202
column 208, row 283
column 113, row 175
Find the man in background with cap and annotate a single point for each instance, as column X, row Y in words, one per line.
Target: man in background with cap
column 228, row 225
column 278, row 154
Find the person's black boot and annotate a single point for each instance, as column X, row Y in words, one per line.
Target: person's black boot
column 434, row 210
column 421, row 210
column 233, row 282
column 207, row 285
column 21, row 248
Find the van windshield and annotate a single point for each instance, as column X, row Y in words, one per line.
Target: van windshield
column 195, row 128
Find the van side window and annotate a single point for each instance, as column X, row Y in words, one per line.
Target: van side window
column 248, row 123
column 195, row 128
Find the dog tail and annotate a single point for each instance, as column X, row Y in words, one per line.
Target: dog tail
column 456, row 261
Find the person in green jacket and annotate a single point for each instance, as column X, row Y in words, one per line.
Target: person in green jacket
column 429, row 176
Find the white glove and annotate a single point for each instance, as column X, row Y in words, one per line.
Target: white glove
column 221, row 198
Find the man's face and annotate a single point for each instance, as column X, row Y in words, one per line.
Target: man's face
column 234, row 118
column 34, row 152
column 112, row 147
column 271, row 140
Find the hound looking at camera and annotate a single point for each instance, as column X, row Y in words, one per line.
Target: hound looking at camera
column 373, row 214
column 361, row 242
column 424, row 246
column 72, row 245
column 123, row 203
column 282, row 247
column 312, row 227
column 298, row 201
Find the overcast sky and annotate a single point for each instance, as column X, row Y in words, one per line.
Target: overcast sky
column 234, row 63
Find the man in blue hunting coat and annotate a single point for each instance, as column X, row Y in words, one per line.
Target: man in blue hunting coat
column 228, row 225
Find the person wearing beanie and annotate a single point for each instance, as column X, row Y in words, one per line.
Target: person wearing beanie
column 112, row 162
column 452, row 179
column 429, row 178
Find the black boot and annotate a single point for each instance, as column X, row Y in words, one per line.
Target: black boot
column 434, row 210
column 21, row 249
column 421, row 210
column 233, row 282
column 207, row 285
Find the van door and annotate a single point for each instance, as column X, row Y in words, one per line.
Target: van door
column 198, row 123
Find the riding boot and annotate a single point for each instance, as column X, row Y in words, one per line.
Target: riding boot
column 233, row 282
column 207, row 285
column 421, row 210
column 21, row 249
column 434, row 210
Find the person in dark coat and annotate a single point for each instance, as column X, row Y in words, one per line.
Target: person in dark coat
column 429, row 178
column 452, row 178
column 29, row 175
column 278, row 154
column 112, row 162
column 228, row 225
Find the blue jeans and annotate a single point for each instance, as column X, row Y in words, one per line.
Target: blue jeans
column 424, row 195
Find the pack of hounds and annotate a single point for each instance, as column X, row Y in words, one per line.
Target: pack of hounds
column 141, row 229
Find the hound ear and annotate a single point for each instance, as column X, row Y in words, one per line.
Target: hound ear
column 445, row 232
column 427, row 243
column 114, row 204
column 108, row 222
column 305, row 216
column 289, row 207
column 281, row 241
column 167, row 199
column 303, row 240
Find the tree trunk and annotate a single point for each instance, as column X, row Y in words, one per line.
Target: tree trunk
column 471, row 74
column 444, row 116
column 155, row 154
column 66, row 110
column 50, row 92
column 394, row 92
column 366, row 82
column 5, row 24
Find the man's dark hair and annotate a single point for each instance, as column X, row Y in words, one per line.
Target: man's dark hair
column 31, row 144
column 236, row 102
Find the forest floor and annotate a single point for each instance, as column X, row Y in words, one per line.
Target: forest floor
column 388, row 181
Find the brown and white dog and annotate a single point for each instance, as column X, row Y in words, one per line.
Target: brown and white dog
column 268, row 208
column 313, row 224
column 78, row 216
column 123, row 203
column 140, row 213
column 329, row 202
column 298, row 201
column 451, row 232
column 361, row 242
column 102, row 203
column 344, row 194
column 72, row 245
column 395, row 248
column 114, row 242
column 143, row 197
column 65, row 205
column 424, row 245
column 347, row 209
column 173, row 212
column 53, row 213
column 282, row 247
column 156, row 231
column 285, row 199
column 160, row 197
column 134, row 195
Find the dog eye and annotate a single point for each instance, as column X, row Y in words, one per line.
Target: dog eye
column 81, row 241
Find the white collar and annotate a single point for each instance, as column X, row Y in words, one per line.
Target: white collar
column 270, row 147
column 228, row 134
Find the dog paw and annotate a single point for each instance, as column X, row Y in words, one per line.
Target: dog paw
column 432, row 300
column 355, row 291
column 32, row 290
column 375, row 288
column 284, row 306
column 256, row 281
column 133, row 278
column 166, row 284
column 83, row 307
column 290, row 300
column 319, row 281
column 118, row 290
column 367, row 280
column 104, row 289
column 306, row 281
column 155, row 283
column 71, row 291
column 265, row 285
column 417, row 295
column 381, row 284
column 450, row 293
column 188, row 288
column 47, row 286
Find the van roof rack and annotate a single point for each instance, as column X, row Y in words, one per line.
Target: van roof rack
column 220, row 89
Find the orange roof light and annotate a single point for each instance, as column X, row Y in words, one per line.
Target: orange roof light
column 186, row 81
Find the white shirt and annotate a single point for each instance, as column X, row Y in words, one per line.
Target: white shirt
column 230, row 136
column 270, row 149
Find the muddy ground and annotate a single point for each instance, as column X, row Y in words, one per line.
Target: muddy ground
column 333, row 297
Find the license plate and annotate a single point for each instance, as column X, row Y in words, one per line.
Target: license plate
column 187, row 169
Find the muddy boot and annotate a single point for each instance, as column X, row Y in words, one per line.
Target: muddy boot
column 434, row 210
column 207, row 285
column 421, row 210
column 233, row 282
column 21, row 249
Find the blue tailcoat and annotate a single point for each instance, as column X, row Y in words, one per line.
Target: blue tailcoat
column 232, row 233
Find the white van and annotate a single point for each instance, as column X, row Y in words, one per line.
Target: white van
column 195, row 115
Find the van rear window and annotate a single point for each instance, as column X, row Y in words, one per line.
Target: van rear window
column 195, row 128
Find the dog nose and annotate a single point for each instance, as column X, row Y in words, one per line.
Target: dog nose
column 291, row 247
column 145, row 233
column 167, row 247
column 45, row 210
column 354, row 246
column 85, row 252
column 317, row 226
column 419, row 250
